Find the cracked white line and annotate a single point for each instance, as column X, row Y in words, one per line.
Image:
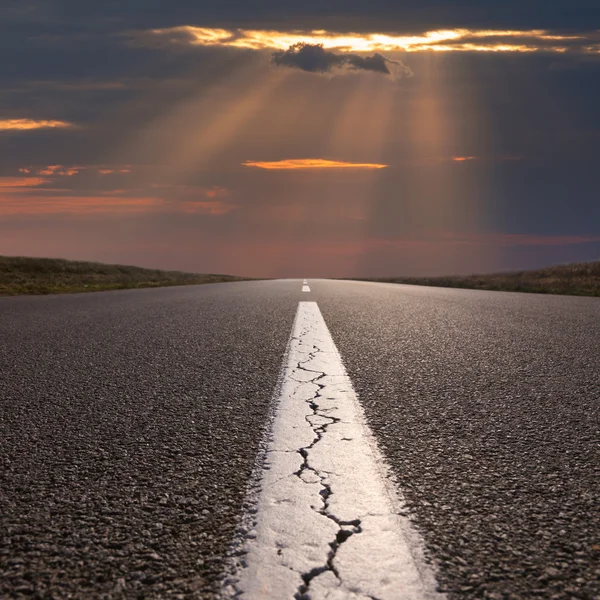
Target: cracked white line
column 329, row 523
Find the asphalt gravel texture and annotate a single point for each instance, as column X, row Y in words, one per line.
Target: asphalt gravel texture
column 129, row 427
column 487, row 406
column 130, row 424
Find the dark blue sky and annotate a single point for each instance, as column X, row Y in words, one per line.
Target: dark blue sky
column 491, row 157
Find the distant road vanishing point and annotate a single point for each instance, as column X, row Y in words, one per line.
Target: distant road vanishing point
column 296, row 439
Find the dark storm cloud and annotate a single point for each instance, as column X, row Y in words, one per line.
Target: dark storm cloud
column 309, row 57
column 377, row 63
column 315, row 59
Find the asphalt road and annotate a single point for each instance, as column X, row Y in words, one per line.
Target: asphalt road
column 130, row 423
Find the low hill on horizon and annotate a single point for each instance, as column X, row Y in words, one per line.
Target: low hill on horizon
column 21, row 275
column 576, row 279
column 25, row 275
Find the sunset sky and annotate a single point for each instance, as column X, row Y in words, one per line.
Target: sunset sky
column 314, row 138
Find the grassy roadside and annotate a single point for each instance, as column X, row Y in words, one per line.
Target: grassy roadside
column 20, row 275
column 577, row 279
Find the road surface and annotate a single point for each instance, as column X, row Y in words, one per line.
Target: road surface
column 132, row 424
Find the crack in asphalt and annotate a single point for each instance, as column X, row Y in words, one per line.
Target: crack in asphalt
column 346, row 528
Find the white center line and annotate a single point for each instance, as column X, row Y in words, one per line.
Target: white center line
column 305, row 288
column 328, row 522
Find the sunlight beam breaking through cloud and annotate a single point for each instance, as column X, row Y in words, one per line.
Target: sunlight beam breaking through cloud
column 310, row 163
column 447, row 40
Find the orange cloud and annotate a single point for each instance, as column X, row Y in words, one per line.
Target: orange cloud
column 191, row 192
column 69, row 171
column 30, row 124
column 74, row 205
column 59, row 170
column 217, row 192
column 19, row 199
column 184, row 198
column 21, row 182
column 214, row 208
column 468, row 157
column 447, row 40
column 310, row 163
column 112, row 171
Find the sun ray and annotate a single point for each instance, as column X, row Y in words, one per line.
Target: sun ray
column 198, row 130
column 444, row 197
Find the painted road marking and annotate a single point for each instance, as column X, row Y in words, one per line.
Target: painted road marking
column 328, row 521
column 305, row 288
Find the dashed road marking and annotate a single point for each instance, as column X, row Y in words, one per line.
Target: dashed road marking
column 305, row 288
column 329, row 523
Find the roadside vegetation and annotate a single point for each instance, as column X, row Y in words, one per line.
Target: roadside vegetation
column 577, row 279
column 20, row 275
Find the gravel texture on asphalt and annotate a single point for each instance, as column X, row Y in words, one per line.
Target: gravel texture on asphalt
column 129, row 426
column 486, row 405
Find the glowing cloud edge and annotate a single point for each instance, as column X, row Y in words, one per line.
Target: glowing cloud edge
column 32, row 124
column 309, row 163
column 443, row 40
